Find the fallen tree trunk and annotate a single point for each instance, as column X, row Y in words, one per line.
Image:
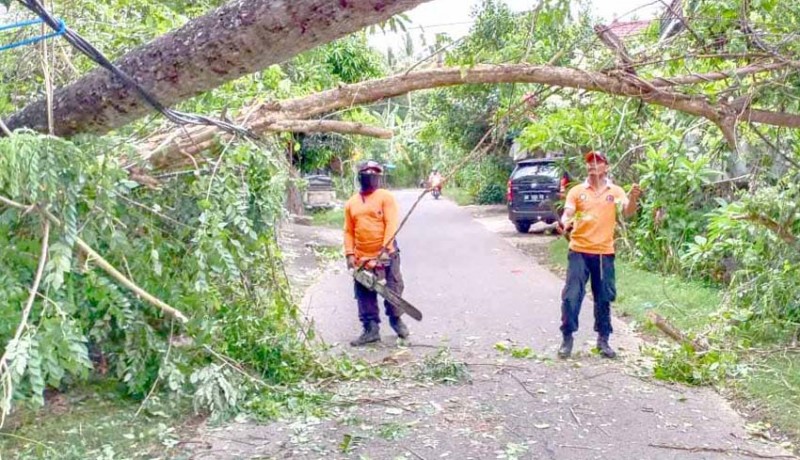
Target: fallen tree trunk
column 266, row 116
column 236, row 39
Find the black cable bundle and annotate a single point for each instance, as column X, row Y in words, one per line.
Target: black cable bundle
column 92, row 53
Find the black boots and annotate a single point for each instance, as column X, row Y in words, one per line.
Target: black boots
column 566, row 347
column 605, row 348
column 371, row 334
column 399, row 326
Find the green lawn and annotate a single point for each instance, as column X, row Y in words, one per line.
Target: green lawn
column 459, row 195
column 774, row 386
column 329, row 218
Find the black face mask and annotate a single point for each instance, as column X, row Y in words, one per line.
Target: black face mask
column 369, row 182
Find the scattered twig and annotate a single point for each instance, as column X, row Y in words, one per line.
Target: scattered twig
column 605, row 432
column 734, row 450
column 570, row 446
column 420, row 457
column 238, row 441
column 500, row 366
column 521, row 384
column 599, row 374
column 575, row 416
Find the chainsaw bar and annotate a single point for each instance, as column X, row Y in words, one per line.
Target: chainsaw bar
column 371, row 282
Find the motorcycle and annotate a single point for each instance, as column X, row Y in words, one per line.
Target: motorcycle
column 436, row 192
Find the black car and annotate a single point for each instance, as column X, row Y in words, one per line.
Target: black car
column 534, row 189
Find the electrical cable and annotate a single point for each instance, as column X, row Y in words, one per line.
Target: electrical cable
column 86, row 48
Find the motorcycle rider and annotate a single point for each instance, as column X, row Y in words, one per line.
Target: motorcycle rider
column 435, row 180
column 371, row 221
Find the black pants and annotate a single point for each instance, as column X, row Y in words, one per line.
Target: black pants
column 580, row 269
column 368, row 300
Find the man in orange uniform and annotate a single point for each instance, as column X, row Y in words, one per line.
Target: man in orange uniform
column 590, row 214
column 371, row 219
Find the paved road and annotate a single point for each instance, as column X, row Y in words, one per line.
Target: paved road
column 475, row 290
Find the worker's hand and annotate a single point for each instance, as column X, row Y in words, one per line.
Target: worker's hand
column 384, row 259
column 565, row 225
column 635, row 192
column 351, row 262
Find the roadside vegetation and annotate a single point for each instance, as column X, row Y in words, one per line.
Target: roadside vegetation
column 155, row 293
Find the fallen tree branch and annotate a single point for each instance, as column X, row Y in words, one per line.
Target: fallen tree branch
column 734, row 450
column 108, row 268
column 23, row 322
column 673, row 332
column 611, row 40
column 117, row 275
column 775, row 148
column 660, row 82
column 329, row 126
column 783, row 233
column 233, row 40
column 265, row 115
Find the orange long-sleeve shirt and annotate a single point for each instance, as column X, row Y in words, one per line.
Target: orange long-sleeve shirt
column 370, row 221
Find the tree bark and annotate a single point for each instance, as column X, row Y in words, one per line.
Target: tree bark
column 264, row 117
column 329, row 126
column 294, row 199
column 236, row 39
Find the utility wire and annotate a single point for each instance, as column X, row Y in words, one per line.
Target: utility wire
column 86, row 48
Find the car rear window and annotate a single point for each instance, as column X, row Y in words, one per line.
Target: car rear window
column 538, row 170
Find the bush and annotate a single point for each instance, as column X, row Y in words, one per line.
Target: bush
column 491, row 194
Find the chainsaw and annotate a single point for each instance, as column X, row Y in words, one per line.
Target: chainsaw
column 371, row 281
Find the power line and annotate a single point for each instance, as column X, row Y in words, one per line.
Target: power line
column 86, row 48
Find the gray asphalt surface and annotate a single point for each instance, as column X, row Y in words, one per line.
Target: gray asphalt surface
column 473, row 288
column 476, row 290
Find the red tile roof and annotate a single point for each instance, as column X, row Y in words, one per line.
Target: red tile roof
column 628, row 28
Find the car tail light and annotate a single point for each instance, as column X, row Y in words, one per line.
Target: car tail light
column 509, row 192
column 563, row 189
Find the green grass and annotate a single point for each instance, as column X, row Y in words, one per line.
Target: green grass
column 461, row 196
column 685, row 303
column 775, row 386
column 93, row 422
column 333, row 218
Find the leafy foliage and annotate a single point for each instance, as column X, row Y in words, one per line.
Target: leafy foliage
column 214, row 257
column 442, row 367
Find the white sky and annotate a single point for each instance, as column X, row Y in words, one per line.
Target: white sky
column 453, row 17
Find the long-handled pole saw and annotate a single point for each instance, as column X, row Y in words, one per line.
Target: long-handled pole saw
column 369, row 279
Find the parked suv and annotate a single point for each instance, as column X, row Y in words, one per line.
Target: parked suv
column 534, row 189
